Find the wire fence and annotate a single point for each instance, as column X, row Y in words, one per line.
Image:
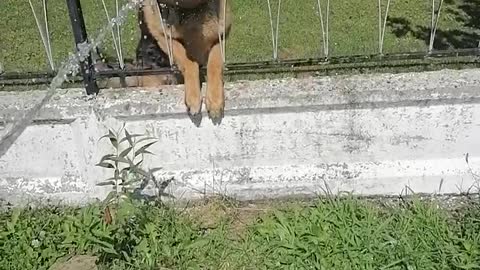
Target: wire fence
column 267, row 35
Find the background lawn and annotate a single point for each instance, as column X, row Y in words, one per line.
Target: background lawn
column 222, row 234
column 353, row 29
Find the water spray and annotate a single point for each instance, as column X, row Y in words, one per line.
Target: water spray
column 70, row 66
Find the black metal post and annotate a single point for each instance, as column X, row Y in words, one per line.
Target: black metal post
column 80, row 34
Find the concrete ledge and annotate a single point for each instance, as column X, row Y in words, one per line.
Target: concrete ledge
column 371, row 135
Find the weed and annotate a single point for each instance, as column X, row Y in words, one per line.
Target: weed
column 337, row 233
column 126, row 163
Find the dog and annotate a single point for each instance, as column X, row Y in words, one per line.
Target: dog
column 192, row 33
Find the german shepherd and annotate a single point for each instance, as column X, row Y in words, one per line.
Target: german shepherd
column 192, row 32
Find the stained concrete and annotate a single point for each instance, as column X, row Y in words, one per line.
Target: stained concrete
column 378, row 134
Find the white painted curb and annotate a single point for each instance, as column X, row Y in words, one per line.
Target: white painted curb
column 369, row 134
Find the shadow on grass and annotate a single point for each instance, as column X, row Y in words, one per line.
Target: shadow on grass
column 466, row 12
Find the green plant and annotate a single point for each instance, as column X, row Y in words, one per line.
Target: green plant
column 336, row 233
column 126, row 163
column 41, row 236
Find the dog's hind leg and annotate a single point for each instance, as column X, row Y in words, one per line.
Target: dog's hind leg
column 215, row 98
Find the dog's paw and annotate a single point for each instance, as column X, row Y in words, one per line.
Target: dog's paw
column 193, row 102
column 215, row 108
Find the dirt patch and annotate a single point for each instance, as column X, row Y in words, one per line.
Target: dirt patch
column 213, row 212
column 78, row 262
column 209, row 214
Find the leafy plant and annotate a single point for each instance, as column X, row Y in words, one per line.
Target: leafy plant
column 126, row 163
column 339, row 233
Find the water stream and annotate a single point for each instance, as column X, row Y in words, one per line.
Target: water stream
column 70, row 66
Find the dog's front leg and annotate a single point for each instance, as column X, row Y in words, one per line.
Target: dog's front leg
column 191, row 74
column 215, row 98
column 188, row 68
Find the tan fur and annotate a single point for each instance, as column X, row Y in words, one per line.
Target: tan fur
column 147, row 81
column 195, row 43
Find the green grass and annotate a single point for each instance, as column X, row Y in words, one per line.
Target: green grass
column 353, row 29
column 337, row 233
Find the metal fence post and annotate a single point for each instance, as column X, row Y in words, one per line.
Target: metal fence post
column 80, row 34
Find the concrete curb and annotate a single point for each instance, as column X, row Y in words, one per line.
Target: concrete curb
column 370, row 134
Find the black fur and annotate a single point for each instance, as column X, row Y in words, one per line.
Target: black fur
column 148, row 53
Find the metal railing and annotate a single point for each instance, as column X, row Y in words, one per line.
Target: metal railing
column 88, row 74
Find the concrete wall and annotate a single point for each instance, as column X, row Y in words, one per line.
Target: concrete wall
column 369, row 134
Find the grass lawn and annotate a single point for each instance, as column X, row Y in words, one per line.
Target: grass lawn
column 353, row 29
column 337, row 233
